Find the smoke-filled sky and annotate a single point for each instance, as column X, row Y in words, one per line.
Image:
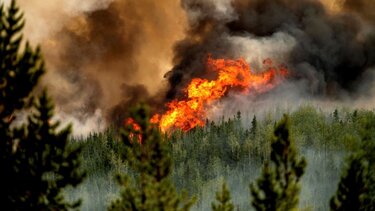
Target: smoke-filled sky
column 105, row 55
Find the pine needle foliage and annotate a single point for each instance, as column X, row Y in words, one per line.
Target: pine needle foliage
column 356, row 187
column 223, row 200
column 352, row 190
column 278, row 188
column 35, row 159
column 148, row 156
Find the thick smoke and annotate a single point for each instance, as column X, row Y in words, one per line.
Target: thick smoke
column 364, row 8
column 327, row 47
column 104, row 55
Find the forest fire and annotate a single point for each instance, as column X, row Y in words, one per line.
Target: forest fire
column 233, row 75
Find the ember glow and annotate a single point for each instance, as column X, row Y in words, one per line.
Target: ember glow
column 232, row 75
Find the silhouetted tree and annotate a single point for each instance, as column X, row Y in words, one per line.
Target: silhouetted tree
column 44, row 163
column 238, row 115
column 253, row 125
column 352, row 190
column 35, row 160
column 278, row 188
column 148, row 156
column 367, row 156
column 336, row 115
column 356, row 188
column 223, row 199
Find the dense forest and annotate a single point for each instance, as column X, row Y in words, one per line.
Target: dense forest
column 234, row 150
column 305, row 159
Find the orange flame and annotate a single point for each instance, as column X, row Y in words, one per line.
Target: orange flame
column 201, row 93
column 136, row 128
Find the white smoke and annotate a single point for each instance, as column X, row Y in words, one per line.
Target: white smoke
column 254, row 50
column 89, row 124
column 220, row 10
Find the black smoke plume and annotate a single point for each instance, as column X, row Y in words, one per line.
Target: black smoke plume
column 332, row 50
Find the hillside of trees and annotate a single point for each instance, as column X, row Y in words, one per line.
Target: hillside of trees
column 307, row 159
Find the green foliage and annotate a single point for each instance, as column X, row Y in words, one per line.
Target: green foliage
column 223, row 200
column 336, row 115
column 148, row 156
column 254, row 125
column 352, row 193
column 278, row 188
column 223, row 150
column 35, row 159
column 43, row 164
column 20, row 71
column 367, row 131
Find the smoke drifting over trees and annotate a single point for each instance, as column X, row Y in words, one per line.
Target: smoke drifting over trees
column 108, row 54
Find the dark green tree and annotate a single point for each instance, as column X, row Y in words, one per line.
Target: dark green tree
column 238, row 115
column 253, row 126
column 44, row 163
column 148, row 156
column 35, row 161
column 367, row 132
column 336, row 117
column 356, row 190
column 278, row 188
column 223, row 199
column 352, row 192
column 19, row 71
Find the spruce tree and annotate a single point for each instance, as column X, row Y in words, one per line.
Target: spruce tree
column 278, row 188
column 20, row 71
column 352, row 190
column 253, row 126
column 356, row 188
column 223, row 200
column 336, row 115
column 44, row 163
column 147, row 155
column 35, row 161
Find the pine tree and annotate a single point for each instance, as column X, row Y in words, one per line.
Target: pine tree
column 336, row 117
column 20, row 72
column 356, row 187
column 253, row 126
column 44, row 163
column 352, row 190
column 278, row 188
column 223, row 200
column 148, row 157
column 238, row 116
column 34, row 158
column 367, row 154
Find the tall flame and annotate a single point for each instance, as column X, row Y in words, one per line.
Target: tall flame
column 201, row 93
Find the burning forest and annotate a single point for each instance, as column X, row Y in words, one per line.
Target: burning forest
column 195, row 96
column 107, row 59
column 201, row 93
